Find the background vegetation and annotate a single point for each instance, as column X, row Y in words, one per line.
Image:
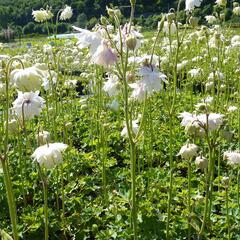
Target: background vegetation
column 17, row 14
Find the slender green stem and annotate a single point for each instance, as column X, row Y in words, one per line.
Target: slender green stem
column 227, row 211
column 189, row 199
column 45, row 197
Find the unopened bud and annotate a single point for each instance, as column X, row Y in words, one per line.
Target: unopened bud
column 131, row 42
column 193, row 21
column 103, row 21
column 170, row 17
column 225, row 181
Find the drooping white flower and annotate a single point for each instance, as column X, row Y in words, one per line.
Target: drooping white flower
column 66, row 13
column 29, row 104
column 236, row 11
column 114, row 105
column 212, row 120
column 27, row 79
column 88, row 38
column 169, row 28
column 152, row 79
column 188, row 151
column 139, row 91
column 191, row 4
column 232, row 109
column 43, row 137
column 233, row 157
column 42, row 15
column 201, row 162
column 195, row 73
column 104, row 55
column 135, row 128
column 211, row 19
column 49, row 155
column 111, row 86
column 215, row 75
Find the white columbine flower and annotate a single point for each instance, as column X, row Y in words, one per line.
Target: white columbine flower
column 214, row 120
column 152, row 79
column 188, row 151
column 232, row 109
column 135, row 128
column 28, row 103
column 191, row 4
column 195, row 73
column 104, row 55
column 169, row 28
column 87, row 38
column 27, row 79
column 43, row 137
column 42, row 15
column 139, row 91
column 233, row 157
column 236, row 11
column 66, row 13
column 114, row 105
column 111, row 85
column 49, row 155
column 210, row 19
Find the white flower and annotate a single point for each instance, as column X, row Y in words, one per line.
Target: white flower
column 232, row 109
column 210, row 19
column 42, row 15
column 195, row 73
column 43, row 137
column 236, row 11
column 28, row 103
column 214, row 120
column 188, row 151
column 87, row 38
column 215, row 75
column 111, row 85
column 27, row 79
column 233, row 157
column 70, row 83
column 139, row 91
column 66, row 13
column 201, row 162
column 191, row 4
column 169, row 28
column 104, row 55
column 114, row 105
column 152, row 79
column 49, row 155
column 135, row 128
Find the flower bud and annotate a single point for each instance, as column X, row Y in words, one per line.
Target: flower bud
column 201, row 162
column 235, row 4
column 131, row 42
column 225, row 181
column 193, row 21
column 170, row 17
column 103, row 21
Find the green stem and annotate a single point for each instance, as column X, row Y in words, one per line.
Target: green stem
column 45, row 196
column 227, row 209
column 189, row 199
